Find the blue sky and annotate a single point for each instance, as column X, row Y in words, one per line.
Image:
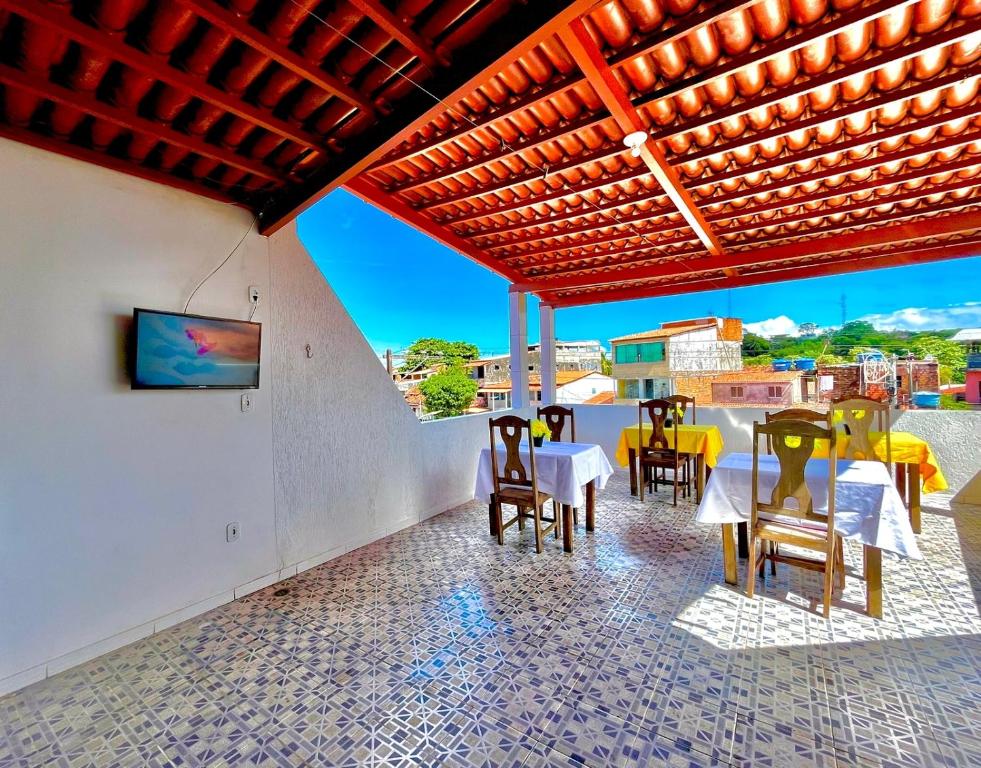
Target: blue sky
column 399, row 285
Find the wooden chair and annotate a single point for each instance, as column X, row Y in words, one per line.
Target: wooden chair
column 800, row 414
column 516, row 485
column 555, row 416
column 682, row 402
column 680, row 413
column 656, row 453
column 773, row 522
column 858, row 415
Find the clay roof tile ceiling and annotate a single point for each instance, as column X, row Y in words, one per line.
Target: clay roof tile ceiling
column 784, row 138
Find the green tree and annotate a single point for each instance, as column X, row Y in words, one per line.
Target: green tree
column 428, row 353
column 754, row 345
column 951, row 356
column 858, row 333
column 449, row 392
column 606, row 367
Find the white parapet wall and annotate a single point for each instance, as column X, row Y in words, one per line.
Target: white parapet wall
column 952, row 434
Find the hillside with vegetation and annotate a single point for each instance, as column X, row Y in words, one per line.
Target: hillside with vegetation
column 844, row 344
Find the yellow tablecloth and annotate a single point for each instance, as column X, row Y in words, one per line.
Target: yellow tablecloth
column 705, row 439
column 906, row 449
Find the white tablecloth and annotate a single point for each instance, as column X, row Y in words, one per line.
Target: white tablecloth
column 868, row 507
column 563, row 470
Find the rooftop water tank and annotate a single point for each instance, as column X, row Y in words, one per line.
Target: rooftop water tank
column 926, row 399
column 805, row 364
column 781, row 365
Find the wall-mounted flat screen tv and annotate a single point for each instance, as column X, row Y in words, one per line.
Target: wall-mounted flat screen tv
column 177, row 351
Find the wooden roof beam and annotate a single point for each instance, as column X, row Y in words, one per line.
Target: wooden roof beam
column 501, row 44
column 956, row 250
column 401, row 30
column 117, row 48
column 769, row 97
column 586, row 53
column 890, row 235
column 662, row 36
column 241, row 29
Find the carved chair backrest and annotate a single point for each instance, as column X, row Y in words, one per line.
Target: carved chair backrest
column 861, row 415
column 656, row 411
column 793, row 444
column 801, row 414
column 511, row 430
column 683, row 404
column 555, row 417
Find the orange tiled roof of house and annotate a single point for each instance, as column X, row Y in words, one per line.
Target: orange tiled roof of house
column 535, row 381
column 601, row 398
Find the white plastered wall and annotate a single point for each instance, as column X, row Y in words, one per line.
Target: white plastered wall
column 113, row 503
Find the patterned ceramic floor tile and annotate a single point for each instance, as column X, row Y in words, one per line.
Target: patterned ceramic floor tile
column 437, row 647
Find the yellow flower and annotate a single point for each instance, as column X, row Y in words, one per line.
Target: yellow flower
column 540, row 429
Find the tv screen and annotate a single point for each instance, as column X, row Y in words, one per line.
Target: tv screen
column 177, row 351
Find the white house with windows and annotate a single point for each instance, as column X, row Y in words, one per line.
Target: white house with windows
column 653, row 363
column 571, row 388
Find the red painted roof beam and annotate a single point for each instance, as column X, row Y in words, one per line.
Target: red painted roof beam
column 897, row 233
column 957, row 250
column 591, row 61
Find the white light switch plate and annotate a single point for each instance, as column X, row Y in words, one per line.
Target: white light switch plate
column 246, row 402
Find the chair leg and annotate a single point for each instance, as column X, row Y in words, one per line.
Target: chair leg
column 675, row 484
column 773, row 563
column 521, row 518
column 538, row 528
column 575, row 515
column 558, row 518
column 499, row 518
column 642, row 483
column 829, row 575
column 751, row 566
column 840, row 562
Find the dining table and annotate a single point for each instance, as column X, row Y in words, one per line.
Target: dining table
column 704, row 441
column 868, row 509
column 915, row 462
column 568, row 472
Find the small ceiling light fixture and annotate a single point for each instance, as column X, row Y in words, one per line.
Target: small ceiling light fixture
column 634, row 141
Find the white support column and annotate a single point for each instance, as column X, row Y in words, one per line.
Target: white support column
column 518, row 315
column 546, row 325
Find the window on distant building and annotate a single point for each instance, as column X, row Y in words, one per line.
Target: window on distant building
column 531, row 367
column 774, row 392
column 649, row 388
column 628, row 389
column 497, row 367
column 736, row 393
column 639, row 353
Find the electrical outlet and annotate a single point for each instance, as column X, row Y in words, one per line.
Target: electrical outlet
column 232, row 531
column 254, row 294
column 246, row 402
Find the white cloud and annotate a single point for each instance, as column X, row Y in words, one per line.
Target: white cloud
column 966, row 315
column 775, row 326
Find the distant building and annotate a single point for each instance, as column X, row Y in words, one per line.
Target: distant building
column 971, row 338
column 879, row 379
column 571, row 388
column 758, row 387
column 653, row 363
column 569, row 356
